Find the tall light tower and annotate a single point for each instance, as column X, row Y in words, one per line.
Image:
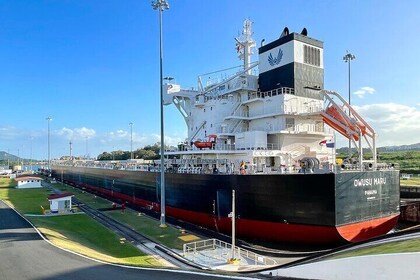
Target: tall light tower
column 30, row 157
column 87, row 150
column 161, row 5
column 131, row 140
column 347, row 59
column 70, row 143
column 49, row 119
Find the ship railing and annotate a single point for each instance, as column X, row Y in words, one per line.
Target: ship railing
column 270, row 93
column 275, row 110
column 191, row 170
column 194, row 161
column 225, row 147
column 226, row 82
column 211, row 252
column 273, row 146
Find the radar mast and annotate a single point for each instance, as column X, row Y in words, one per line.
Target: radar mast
column 245, row 44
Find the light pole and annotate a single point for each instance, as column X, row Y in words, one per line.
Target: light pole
column 347, row 59
column 70, row 143
column 161, row 5
column 131, row 140
column 49, row 119
column 87, row 150
column 30, row 157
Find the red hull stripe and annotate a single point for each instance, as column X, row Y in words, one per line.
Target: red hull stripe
column 368, row 229
column 269, row 231
column 261, row 230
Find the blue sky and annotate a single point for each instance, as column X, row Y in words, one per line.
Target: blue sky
column 93, row 66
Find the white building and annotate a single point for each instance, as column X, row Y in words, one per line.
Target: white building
column 60, row 203
column 28, row 182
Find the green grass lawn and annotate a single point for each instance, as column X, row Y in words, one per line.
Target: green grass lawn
column 82, row 234
column 413, row 181
column 405, row 246
column 169, row 236
column 78, row 232
column 88, row 198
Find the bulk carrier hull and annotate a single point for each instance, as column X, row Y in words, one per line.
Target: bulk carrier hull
column 299, row 208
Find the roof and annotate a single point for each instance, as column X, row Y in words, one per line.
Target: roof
column 28, row 178
column 59, row 195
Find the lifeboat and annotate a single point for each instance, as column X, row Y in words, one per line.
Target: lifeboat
column 206, row 144
column 335, row 114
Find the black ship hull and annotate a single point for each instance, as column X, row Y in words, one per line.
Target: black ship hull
column 301, row 208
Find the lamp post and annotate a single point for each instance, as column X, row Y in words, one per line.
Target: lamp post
column 161, row 5
column 70, row 143
column 347, row 59
column 30, row 156
column 49, row 119
column 131, row 140
column 87, row 150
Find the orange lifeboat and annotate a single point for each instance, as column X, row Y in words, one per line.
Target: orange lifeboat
column 335, row 114
column 206, row 144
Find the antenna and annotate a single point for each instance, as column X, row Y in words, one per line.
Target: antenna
column 245, row 43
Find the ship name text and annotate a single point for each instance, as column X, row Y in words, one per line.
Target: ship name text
column 369, row 182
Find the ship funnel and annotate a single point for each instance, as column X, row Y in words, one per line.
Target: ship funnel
column 285, row 32
column 304, row 32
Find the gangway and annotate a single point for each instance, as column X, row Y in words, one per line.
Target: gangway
column 214, row 254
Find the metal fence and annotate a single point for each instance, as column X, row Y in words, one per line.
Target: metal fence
column 215, row 251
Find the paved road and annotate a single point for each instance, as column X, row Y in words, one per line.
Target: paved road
column 382, row 266
column 25, row 255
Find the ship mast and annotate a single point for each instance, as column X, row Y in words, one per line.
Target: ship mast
column 244, row 45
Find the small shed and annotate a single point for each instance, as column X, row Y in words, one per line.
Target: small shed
column 27, row 182
column 60, row 203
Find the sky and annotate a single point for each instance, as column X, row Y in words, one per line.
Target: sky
column 93, row 65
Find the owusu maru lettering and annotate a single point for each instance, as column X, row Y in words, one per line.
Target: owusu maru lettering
column 369, row 182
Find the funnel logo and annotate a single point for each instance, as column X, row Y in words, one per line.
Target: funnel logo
column 275, row 60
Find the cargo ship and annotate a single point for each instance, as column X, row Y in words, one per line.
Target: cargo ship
column 265, row 129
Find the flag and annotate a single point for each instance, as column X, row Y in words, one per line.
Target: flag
column 323, row 142
column 330, row 144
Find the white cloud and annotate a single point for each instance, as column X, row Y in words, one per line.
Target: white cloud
column 77, row 133
column 121, row 139
column 8, row 133
column 395, row 124
column 363, row 90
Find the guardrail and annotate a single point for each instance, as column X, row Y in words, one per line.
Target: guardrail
column 211, row 250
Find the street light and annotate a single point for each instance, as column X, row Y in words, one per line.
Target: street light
column 131, row 143
column 347, row 59
column 30, row 157
column 87, row 150
column 161, row 5
column 70, row 143
column 49, row 119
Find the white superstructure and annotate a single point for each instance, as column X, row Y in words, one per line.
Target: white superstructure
column 269, row 130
